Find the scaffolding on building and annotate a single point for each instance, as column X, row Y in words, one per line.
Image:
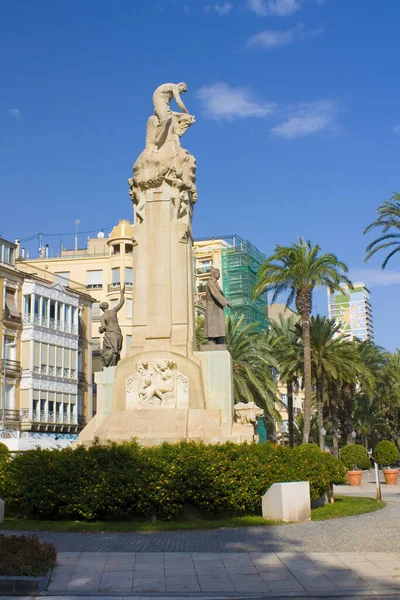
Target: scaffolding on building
column 240, row 263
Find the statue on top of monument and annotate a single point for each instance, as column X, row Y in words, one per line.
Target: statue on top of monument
column 214, row 321
column 112, row 341
column 164, row 165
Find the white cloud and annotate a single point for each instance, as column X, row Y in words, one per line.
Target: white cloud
column 396, row 129
column 223, row 102
column 375, row 277
column 271, row 38
column 15, row 113
column 221, row 9
column 306, row 119
column 275, row 8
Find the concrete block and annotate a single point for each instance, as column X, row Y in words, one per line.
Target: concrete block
column 2, row 506
column 287, row 502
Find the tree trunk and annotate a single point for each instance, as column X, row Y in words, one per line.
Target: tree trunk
column 289, row 387
column 305, row 323
column 333, row 391
column 320, row 408
column 347, row 393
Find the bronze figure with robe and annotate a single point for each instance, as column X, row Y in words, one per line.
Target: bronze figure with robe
column 214, row 321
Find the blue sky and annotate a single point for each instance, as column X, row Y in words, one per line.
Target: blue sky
column 297, row 119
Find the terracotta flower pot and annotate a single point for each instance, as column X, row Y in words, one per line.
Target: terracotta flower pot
column 390, row 476
column 354, row 477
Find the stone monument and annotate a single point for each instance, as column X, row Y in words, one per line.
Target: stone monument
column 166, row 390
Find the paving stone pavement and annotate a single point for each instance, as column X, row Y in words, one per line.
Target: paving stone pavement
column 253, row 573
column 378, row 531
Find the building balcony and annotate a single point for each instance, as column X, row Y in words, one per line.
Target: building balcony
column 11, row 317
column 30, row 319
column 11, row 367
column 10, row 415
column 114, row 287
column 48, row 421
column 94, row 286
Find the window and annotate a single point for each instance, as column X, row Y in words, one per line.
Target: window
column 116, row 249
column 94, row 279
column 96, row 311
column 62, row 277
column 129, row 308
column 284, row 399
column 7, row 254
column 95, row 346
column 205, row 266
column 11, row 305
column 128, row 276
column 128, row 342
column 115, row 276
column 128, row 248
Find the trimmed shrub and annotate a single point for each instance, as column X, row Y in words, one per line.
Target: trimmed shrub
column 354, row 456
column 123, row 481
column 386, row 453
column 25, row 556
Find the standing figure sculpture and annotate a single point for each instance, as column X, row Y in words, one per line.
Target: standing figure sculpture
column 112, row 341
column 214, row 322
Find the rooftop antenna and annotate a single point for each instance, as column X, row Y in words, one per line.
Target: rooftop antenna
column 77, row 222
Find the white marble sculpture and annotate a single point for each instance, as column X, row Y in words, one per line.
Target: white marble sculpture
column 164, row 160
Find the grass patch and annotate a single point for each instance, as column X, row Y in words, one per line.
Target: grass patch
column 344, row 506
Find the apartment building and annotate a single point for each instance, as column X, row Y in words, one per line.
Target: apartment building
column 46, row 352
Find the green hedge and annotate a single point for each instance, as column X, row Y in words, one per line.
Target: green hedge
column 126, row 480
column 386, row 453
column 354, row 456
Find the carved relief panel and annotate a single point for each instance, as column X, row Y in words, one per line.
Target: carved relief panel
column 157, row 383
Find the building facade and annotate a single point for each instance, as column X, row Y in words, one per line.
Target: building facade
column 10, row 336
column 46, row 353
column 351, row 309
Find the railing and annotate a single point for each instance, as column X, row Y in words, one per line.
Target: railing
column 128, row 284
column 81, row 376
column 114, row 287
column 11, row 366
column 42, row 416
column 10, row 415
column 97, row 286
column 50, row 323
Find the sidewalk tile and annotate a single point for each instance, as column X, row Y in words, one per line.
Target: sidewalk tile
column 285, row 585
column 117, row 582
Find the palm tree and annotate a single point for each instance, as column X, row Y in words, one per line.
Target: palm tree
column 369, row 419
column 297, row 270
column 389, row 220
column 287, row 352
column 253, row 363
column 326, row 360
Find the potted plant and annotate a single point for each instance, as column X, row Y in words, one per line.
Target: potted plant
column 355, row 459
column 386, row 454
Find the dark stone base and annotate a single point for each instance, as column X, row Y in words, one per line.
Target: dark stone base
column 212, row 347
column 23, row 586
